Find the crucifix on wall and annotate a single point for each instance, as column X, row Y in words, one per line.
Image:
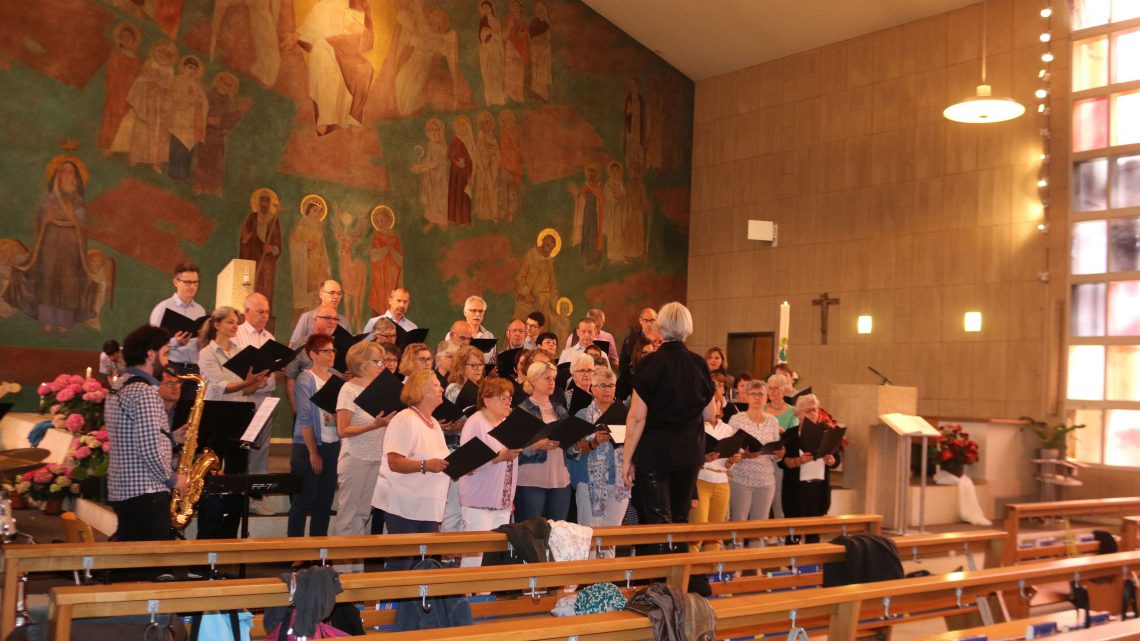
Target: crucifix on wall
column 823, row 302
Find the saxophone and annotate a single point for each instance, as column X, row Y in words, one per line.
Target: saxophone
column 182, row 502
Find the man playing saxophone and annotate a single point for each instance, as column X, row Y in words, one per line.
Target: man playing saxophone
column 140, row 476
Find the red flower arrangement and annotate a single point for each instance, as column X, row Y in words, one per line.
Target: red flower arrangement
column 954, row 448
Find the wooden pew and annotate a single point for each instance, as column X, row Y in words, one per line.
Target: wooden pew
column 844, row 610
column 1129, row 530
column 20, row 559
column 1102, row 595
column 72, row 602
column 1129, row 629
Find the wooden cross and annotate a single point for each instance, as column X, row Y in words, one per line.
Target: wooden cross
column 823, row 302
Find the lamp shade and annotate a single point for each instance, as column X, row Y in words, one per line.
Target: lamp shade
column 983, row 108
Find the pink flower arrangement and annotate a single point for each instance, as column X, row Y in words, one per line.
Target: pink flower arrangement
column 75, row 422
column 89, row 451
column 74, row 402
column 51, row 481
column 82, row 453
column 64, row 395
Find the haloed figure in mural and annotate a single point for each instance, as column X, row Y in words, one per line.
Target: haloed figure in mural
column 432, row 166
column 485, row 180
column 387, row 259
column 637, row 207
column 308, row 257
column 122, row 68
column 260, row 240
column 541, row 59
column 188, row 109
column 616, row 208
column 223, row 116
column 517, row 54
column 589, row 217
column 348, row 232
column 54, row 285
column 536, row 288
column 491, row 54
column 459, row 176
column 144, row 133
column 336, row 34
column 510, row 164
column 633, row 136
column 428, row 67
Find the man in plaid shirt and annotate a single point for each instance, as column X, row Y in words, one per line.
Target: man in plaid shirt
column 141, row 476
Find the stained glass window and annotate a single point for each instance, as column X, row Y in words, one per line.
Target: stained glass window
column 1090, row 247
column 1086, row 372
column 1124, row 245
column 1089, row 13
column 1122, row 433
column 1087, row 309
column 1126, row 118
column 1124, row 308
column 1090, row 124
column 1125, row 10
column 1090, row 185
column 1087, row 442
column 1090, row 63
column 1126, row 55
column 1126, row 187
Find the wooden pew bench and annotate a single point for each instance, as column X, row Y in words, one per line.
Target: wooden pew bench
column 843, row 612
column 135, row 598
column 20, row 559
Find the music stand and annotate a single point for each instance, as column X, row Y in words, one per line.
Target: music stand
column 908, row 427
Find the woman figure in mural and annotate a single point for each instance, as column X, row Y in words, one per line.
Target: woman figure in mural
column 540, row 56
column 262, row 37
column 144, row 132
column 432, row 165
column 386, row 258
column 485, row 179
column 517, row 53
column 336, row 34
column 54, row 285
column 491, row 54
column 432, row 40
column 510, row 165
column 536, row 288
column 589, row 217
column 353, row 272
column 654, row 126
column 223, row 116
column 123, row 67
column 459, row 176
column 637, row 205
column 307, row 254
column 633, row 138
column 617, row 207
column 260, row 239
column 188, row 110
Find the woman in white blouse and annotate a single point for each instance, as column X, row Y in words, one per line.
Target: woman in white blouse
column 361, row 445
column 754, row 483
column 412, row 488
column 215, row 347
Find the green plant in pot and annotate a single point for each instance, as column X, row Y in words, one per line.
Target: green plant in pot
column 1053, row 437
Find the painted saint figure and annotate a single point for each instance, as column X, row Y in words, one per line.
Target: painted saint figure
column 144, row 132
column 263, row 16
column 459, row 175
column 614, row 226
column 633, row 138
column 260, row 240
column 541, row 59
column 638, row 207
column 432, row 166
column 336, row 34
column 536, row 288
column 589, row 217
column 223, row 115
column 123, row 67
column 510, row 163
column 348, row 233
column 54, row 285
column 517, row 52
column 387, row 259
column 188, row 110
column 431, row 48
column 308, row 257
column 491, row 54
column 485, row 179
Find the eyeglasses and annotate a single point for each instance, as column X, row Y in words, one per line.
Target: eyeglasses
column 505, row 399
column 378, row 363
column 328, row 318
column 424, row 359
column 533, row 325
column 188, row 282
column 479, row 365
column 646, row 320
column 334, row 292
column 584, row 371
column 517, row 329
column 477, row 311
column 327, row 350
column 391, row 360
column 604, row 386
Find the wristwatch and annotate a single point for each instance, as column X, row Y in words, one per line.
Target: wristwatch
column 423, row 467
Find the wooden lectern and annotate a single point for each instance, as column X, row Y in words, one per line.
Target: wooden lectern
column 902, row 429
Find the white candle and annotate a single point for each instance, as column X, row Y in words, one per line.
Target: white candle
column 88, row 373
column 782, row 337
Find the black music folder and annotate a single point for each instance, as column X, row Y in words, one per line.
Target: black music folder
column 732, row 409
column 405, row 337
column 469, row 457
column 326, row 397
column 447, row 412
column 604, row 346
column 270, row 357
column 468, row 398
column 521, row 429
column 507, row 360
column 726, row 446
column 382, row 396
column 791, row 400
column 343, row 340
column 175, row 322
column 484, row 345
column 819, row 440
column 563, row 376
column 579, row 399
column 753, row 445
column 222, row 423
column 570, row 431
column 615, row 415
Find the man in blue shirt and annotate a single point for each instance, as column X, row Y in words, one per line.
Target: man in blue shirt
column 183, row 345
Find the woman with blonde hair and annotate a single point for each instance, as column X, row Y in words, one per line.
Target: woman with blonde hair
column 416, row 357
column 362, row 444
column 544, row 482
column 595, row 464
column 753, row 485
column 444, row 360
column 215, row 347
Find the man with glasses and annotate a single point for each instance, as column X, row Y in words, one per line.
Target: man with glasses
column 474, row 309
column 535, row 325
column 331, row 293
column 325, row 320
column 587, row 332
column 253, row 333
column 460, row 333
column 599, row 318
column 183, row 345
column 398, row 302
column 516, row 334
column 645, row 321
column 383, row 332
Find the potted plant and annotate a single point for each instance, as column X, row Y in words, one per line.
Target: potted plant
column 954, row 449
column 89, row 453
column 1053, row 437
column 49, row 484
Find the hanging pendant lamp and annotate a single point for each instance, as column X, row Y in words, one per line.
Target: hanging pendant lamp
column 983, row 107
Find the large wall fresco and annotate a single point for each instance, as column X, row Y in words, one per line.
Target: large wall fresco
column 527, row 151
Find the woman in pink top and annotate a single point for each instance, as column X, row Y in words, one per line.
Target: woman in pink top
column 486, row 495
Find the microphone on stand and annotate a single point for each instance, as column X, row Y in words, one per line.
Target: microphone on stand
column 886, row 380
